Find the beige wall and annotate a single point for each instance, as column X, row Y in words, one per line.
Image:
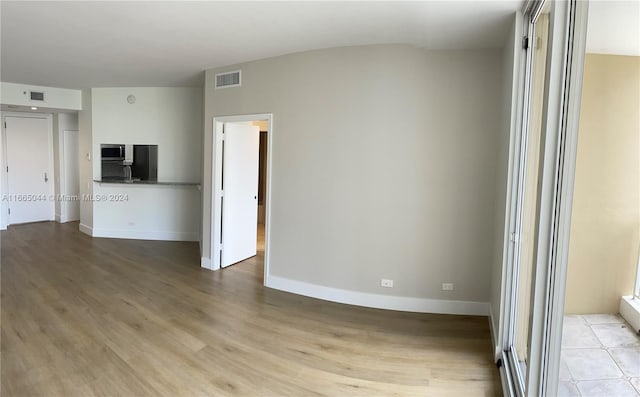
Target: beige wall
column 605, row 226
column 383, row 165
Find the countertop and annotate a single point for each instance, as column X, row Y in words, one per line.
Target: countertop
column 146, row 182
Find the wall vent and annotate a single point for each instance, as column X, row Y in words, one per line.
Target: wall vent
column 36, row 96
column 229, row 79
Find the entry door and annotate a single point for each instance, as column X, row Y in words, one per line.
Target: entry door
column 239, row 192
column 29, row 176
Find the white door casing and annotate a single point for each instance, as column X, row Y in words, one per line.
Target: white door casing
column 239, row 192
column 29, row 174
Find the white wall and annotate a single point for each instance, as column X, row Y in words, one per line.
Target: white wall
column 58, row 98
column 148, row 213
column 86, row 160
column 172, row 119
column 383, row 166
column 4, row 187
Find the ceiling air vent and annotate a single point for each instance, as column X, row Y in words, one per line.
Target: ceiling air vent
column 36, row 96
column 228, row 79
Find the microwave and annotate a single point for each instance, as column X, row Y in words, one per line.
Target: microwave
column 112, row 152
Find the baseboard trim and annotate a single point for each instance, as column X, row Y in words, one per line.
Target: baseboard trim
column 378, row 301
column 206, row 264
column 145, row 235
column 497, row 353
column 86, row 229
column 65, row 219
column 630, row 311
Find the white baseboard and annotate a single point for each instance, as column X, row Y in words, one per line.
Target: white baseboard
column 146, row 235
column 65, row 219
column 378, row 301
column 86, row 229
column 494, row 335
column 630, row 311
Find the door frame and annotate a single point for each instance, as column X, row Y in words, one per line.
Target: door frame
column 64, row 178
column 5, row 218
column 216, row 194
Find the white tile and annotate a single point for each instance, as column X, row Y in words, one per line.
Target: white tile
column 591, row 364
column 578, row 335
column 573, row 319
column 564, row 370
column 606, row 388
column 567, row 389
column 616, row 335
column 628, row 359
column 603, row 319
column 636, row 383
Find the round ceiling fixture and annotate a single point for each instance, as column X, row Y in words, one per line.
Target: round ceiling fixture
column 131, row 99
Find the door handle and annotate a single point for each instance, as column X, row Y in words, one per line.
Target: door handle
column 46, row 177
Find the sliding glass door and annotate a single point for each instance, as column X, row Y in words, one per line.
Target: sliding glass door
column 524, row 238
column 541, row 174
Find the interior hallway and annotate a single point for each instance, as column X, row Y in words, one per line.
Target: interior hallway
column 86, row 317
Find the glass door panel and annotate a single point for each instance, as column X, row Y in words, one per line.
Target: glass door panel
column 525, row 238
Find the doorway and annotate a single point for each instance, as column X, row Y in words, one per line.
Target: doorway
column 600, row 350
column 540, row 191
column 241, row 190
column 28, row 141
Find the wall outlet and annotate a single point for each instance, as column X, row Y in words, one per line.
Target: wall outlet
column 447, row 286
column 386, row 283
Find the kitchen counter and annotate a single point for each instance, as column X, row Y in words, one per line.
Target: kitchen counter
column 146, row 182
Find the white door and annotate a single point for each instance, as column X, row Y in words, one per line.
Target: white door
column 240, row 192
column 71, row 165
column 29, row 174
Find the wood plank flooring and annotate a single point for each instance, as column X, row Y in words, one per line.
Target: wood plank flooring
column 104, row 317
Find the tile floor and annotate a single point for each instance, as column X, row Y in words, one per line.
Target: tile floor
column 600, row 357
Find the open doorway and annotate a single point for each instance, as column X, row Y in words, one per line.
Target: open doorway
column 601, row 348
column 240, row 213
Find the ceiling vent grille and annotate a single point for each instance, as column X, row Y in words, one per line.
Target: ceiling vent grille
column 229, row 79
column 36, row 96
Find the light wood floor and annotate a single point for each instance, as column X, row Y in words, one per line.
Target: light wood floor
column 102, row 317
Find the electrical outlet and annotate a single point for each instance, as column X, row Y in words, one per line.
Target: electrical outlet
column 386, row 283
column 447, row 286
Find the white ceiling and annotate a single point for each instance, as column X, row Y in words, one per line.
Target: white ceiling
column 614, row 27
column 104, row 44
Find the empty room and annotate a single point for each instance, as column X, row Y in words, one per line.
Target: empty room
column 291, row 198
